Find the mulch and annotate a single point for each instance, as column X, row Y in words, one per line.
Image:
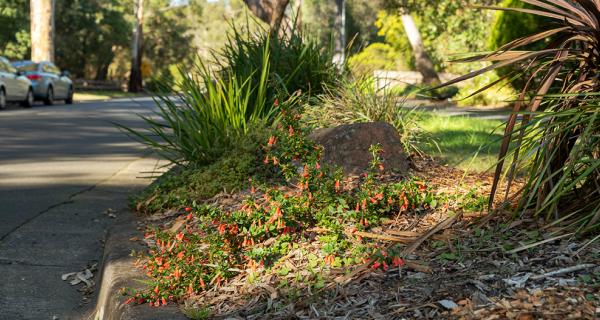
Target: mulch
column 457, row 268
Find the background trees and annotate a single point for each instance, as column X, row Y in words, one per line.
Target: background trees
column 93, row 37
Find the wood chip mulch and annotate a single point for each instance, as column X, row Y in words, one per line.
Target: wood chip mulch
column 464, row 270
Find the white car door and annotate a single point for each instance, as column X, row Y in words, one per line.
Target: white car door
column 9, row 80
column 21, row 85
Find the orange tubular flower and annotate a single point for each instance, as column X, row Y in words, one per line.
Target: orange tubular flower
column 222, row 228
column 190, row 289
column 179, row 236
column 398, row 262
column 337, row 186
column 291, row 130
column 180, row 255
column 272, row 141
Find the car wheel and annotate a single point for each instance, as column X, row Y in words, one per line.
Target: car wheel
column 28, row 102
column 69, row 99
column 2, row 99
column 49, row 97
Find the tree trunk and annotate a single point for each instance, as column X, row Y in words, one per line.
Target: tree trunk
column 135, row 76
column 340, row 27
column 422, row 61
column 42, row 30
column 269, row 11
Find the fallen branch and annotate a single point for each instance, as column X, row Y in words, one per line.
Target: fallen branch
column 532, row 245
column 440, row 226
column 563, row 270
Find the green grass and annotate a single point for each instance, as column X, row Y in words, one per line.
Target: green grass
column 467, row 143
column 95, row 95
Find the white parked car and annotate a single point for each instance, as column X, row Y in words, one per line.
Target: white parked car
column 14, row 87
column 49, row 82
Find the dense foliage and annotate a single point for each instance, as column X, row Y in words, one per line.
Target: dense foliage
column 296, row 62
column 557, row 139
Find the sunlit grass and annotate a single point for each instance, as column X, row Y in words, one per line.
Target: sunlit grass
column 465, row 142
column 99, row 95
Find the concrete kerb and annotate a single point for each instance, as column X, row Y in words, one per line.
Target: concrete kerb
column 118, row 271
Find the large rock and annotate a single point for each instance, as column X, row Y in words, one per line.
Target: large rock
column 347, row 146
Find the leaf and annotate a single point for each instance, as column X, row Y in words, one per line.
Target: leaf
column 448, row 304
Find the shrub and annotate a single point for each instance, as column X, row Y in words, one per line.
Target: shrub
column 509, row 26
column 377, row 56
column 557, row 140
column 296, row 61
column 360, row 101
column 209, row 115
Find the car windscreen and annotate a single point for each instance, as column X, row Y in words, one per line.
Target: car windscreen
column 26, row 66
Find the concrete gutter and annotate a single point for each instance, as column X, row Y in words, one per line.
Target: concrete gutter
column 119, row 272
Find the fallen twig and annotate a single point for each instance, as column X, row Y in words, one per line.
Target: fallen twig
column 563, row 270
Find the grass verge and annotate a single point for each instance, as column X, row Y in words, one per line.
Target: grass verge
column 97, row 95
column 467, row 143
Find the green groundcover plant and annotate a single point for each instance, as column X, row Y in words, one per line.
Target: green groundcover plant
column 212, row 245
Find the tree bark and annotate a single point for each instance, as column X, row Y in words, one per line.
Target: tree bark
column 422, row 61
column 135, row 76
column 269, row 11
column 340, row 27
column 42, row 30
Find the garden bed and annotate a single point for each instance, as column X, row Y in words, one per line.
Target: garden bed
column 465, row 265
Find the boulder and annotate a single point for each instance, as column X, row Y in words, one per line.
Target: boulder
column 347, row 146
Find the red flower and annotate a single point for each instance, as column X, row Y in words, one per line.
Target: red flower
column 266, row 161
column 179, row 236
column 276, row 103
column 385, row 266
column 164, row 301
column 398, row 262
column 337, row 185
column 177, row 274
column 376, row 265
column 189, row 216
column 190, row 289
column 381, row 167
column 272, row 141
column 180, row 255
column 187, row 209
column 128, row 301
column 156, row 289
column 291, row 130
column 222, row 228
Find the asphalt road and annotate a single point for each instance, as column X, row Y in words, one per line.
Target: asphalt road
column 65, row 173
